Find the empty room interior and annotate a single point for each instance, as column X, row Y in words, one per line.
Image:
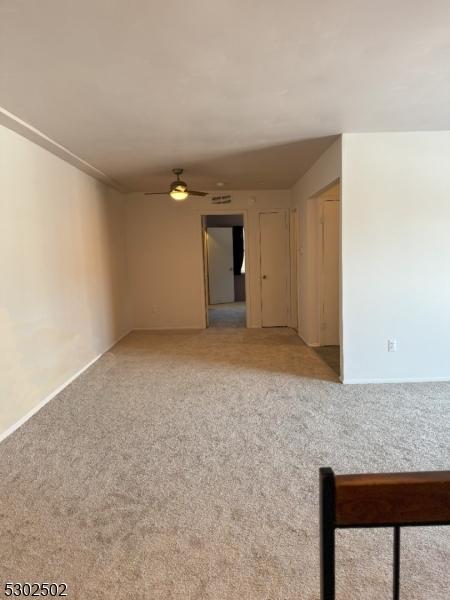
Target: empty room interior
column 224, row 300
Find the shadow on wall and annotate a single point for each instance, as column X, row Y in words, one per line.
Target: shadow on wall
column 272, row 167
column 106, row 267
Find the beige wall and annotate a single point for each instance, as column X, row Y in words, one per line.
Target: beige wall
column 62, row 286
column 164, row 252
column 396, row 256
column 324, row 172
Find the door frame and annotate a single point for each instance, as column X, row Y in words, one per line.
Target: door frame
column 204, row 212
column 294, row 268
column 320, row 265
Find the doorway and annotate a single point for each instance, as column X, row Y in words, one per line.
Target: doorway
column 328, row 277
column 224, row 270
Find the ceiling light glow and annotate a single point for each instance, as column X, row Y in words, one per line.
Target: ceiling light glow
column 179, row 195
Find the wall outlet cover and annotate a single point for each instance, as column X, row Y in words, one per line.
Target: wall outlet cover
column 392, row 345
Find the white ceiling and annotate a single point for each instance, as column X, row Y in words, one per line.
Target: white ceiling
column 240, row 91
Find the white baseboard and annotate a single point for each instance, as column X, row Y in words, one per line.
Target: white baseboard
column 396, row 380
column 59, row 389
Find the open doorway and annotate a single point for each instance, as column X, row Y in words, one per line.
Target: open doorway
column 328, row 276
column 224, row 260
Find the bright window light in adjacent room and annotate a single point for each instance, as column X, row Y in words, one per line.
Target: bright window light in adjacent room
column 243, row 254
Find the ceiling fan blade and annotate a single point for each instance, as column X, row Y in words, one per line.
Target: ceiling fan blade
column 193, row 193
column 156, row 193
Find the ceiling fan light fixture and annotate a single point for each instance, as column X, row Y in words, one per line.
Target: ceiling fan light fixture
column 178, row 190
column 178, row 195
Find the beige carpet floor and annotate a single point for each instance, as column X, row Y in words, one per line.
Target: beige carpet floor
column 228, row 315
column 331, row 355
column 184, row 465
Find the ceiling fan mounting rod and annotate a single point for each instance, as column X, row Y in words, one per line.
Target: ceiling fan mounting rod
column 177, row 172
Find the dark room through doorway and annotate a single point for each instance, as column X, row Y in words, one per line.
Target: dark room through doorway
column 224, row 250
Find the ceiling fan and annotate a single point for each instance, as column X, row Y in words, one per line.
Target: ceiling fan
column 178, row 189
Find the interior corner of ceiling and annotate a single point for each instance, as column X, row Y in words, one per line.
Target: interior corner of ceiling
column 24, row 129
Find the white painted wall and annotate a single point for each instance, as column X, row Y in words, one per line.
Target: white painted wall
column 62, row 292
column 323, row 173
column 396, row 256
column 164, row 249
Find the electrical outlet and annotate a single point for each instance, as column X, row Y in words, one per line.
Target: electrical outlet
column 392, row 345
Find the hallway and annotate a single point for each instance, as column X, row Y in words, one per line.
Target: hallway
column 184, row 464
column 231, row 314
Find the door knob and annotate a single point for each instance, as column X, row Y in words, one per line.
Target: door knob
column 264, row 276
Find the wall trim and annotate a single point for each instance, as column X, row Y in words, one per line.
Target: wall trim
column 362, row 381
column 55, row 392
column 11, row 121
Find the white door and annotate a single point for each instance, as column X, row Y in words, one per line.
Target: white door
column 220, row 265
column 274, row 238
column 329, row 331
